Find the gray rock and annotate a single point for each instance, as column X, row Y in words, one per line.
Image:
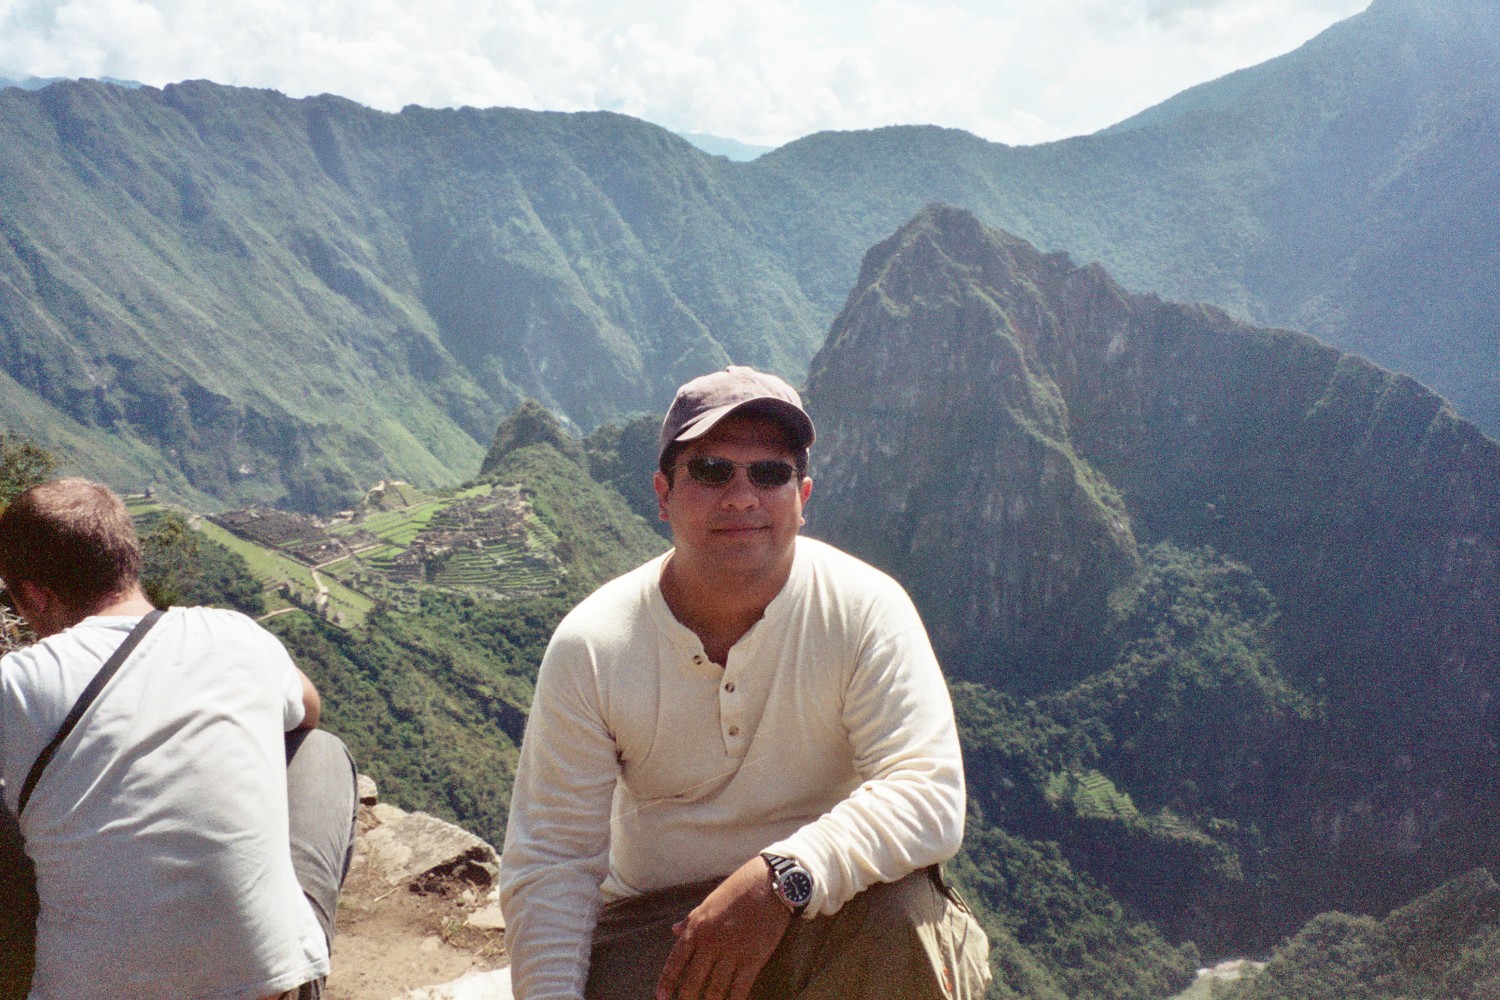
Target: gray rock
column 475, row 986
column 417, row 847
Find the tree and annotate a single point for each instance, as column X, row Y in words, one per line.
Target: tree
column 169, row 559
column 23, row 464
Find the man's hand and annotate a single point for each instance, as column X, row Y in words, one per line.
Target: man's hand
column 723, row 944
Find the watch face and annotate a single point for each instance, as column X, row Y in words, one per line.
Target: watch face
column 797, row 886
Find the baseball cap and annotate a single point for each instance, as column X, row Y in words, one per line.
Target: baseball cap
column 703, row 402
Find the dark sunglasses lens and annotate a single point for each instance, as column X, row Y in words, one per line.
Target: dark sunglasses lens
column 768, row 473
column 711, row 471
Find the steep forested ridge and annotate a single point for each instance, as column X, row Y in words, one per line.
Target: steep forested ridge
column 247, row 298
column 1254, row 582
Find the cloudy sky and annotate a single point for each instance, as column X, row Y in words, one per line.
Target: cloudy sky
column 761, row 71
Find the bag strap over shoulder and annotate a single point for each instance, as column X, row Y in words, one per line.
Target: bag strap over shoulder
column 84, row 701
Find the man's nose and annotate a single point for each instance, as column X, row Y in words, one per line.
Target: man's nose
column 739, row 492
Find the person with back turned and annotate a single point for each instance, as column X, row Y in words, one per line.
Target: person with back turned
column 189, row 828
column 741, row 770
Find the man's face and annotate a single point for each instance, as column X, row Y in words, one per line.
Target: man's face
column 738, row 528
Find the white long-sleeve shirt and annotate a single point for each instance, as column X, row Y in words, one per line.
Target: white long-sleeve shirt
column 828, row 737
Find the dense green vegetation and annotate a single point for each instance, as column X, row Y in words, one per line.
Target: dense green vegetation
column 1058, row 935
column 23, row 464
column 431, row 702
column 1446, row 944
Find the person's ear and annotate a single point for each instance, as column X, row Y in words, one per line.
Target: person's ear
column 663, row 488
column 34, row 603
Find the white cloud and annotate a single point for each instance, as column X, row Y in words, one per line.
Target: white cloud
column 757, row 70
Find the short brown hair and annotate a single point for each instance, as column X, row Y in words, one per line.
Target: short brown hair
column 72, row 537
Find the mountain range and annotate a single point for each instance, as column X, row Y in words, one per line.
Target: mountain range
column 243, row 298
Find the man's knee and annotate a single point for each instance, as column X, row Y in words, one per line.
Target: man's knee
column 322, row 800
column 317, row 749
column 913, row 937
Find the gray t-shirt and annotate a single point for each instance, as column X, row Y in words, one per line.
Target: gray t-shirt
column 159, row 830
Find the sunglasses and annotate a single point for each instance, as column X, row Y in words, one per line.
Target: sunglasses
column 767, row 474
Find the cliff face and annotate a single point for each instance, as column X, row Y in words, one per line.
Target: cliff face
column 945, row 453
column 999, row 427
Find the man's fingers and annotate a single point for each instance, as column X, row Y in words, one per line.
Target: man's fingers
column 744, row 979
column 720, row 981
column 690, row 983
column 685, row 972
column 677, row 959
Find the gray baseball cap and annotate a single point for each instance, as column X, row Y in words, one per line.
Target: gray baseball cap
column 706, row 400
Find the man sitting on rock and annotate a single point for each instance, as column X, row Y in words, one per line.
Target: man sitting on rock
column 741, row 768
column 159, row 826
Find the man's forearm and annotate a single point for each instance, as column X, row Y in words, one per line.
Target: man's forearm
column 312, row 703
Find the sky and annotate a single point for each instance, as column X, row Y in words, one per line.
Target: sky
column 760, row 71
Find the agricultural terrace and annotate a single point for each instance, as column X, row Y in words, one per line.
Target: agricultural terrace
column 480, row 539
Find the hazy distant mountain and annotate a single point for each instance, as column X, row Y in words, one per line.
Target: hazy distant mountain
column 733, row 149
column 241, row 296
column 1368, row 175
column 1007, row 433
column 38, row 82
column 30, row 82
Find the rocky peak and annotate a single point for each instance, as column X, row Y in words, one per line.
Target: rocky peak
column 997, row 427
column 944, row 451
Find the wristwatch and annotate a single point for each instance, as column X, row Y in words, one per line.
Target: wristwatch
column 792, row 883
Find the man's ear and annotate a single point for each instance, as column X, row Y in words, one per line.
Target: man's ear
column 35, row 603
column 662, row 487
column 28, row 594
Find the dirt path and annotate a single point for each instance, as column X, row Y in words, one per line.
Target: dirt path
column 392, row 939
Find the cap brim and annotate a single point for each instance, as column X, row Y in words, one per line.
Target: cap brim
column 785, row 413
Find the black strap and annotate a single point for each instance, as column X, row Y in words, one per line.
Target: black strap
column 84, row 701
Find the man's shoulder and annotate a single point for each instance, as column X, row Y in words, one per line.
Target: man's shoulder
column 842, row 572
column 623, row 599
column 227, row 636
column 844, row 590
column 208, row 624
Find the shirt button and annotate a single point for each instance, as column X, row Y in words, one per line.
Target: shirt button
column 697, row 659
column 734, row 730
column 729, row 687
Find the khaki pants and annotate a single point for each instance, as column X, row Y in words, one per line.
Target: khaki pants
column 914, row 938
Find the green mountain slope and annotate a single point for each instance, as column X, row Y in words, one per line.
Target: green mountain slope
column 422, row 616
column 1446, row 944
column 1308, row 669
